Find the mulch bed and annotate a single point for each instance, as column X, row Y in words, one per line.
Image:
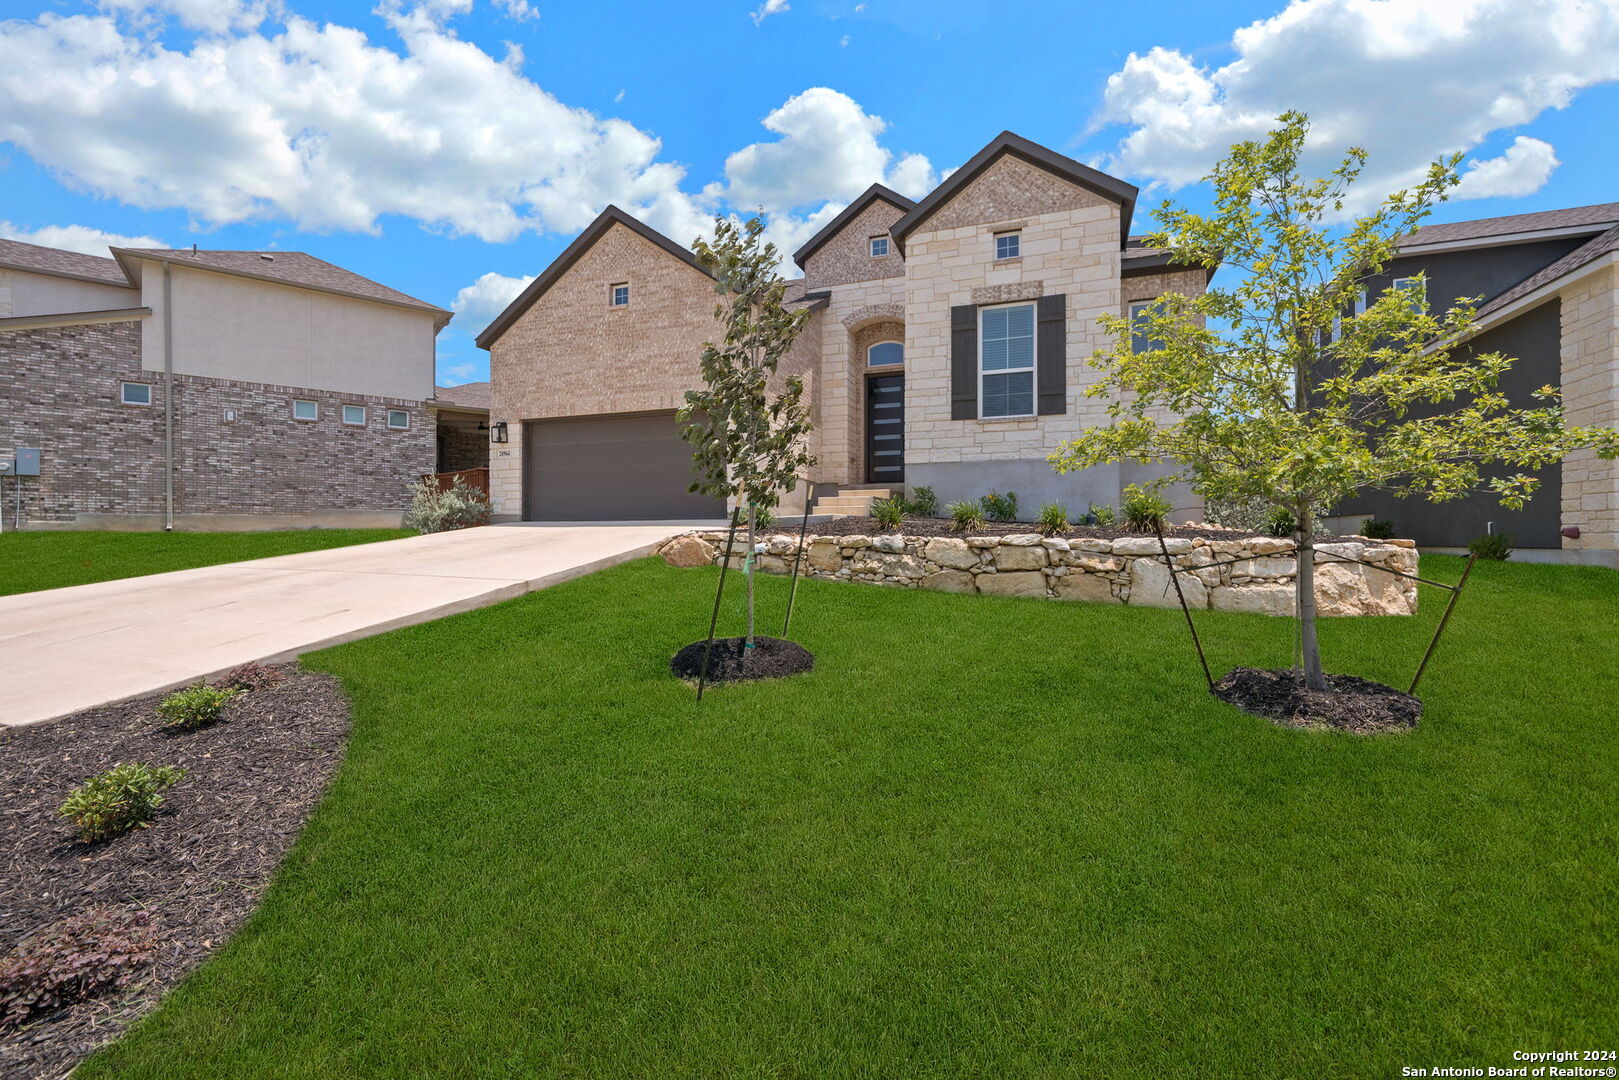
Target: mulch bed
column 1350, row 704
column 933, row 526
column 771, row 658
column 199, row 869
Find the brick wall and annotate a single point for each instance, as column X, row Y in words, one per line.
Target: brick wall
column 1590, row 383
column 461, row 443
column 847, row 256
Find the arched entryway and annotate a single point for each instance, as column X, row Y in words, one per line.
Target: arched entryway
column 879, row 360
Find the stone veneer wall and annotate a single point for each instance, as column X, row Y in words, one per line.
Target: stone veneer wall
column 1590, row 384
column 1129, row 570
column 59, row 387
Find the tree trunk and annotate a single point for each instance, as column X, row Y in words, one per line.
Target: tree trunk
column 749, row 565
column 1304, row 581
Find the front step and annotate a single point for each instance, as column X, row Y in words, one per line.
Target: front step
column 851, row 502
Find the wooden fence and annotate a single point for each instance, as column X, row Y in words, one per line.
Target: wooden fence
column 477, row 478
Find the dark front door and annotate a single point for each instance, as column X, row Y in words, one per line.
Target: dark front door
column 885, row 429
column 604, row 468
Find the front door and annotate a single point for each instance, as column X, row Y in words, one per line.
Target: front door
column 885, row 429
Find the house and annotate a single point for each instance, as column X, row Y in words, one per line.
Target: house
column 211, row 389
column 1547, row 289
column 462, row 426
column 947, row 347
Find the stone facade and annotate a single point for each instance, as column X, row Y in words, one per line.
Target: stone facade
column 1252, row 574
column 1590, row 383
column 238, row 451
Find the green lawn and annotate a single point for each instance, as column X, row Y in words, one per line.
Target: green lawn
column 984, row 838
column 50, row 560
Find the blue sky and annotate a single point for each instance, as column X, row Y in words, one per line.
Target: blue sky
column 450, row 148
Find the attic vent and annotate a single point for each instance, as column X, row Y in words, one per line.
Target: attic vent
column 266, row 256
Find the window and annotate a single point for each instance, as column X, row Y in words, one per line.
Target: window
column 1006, row 360
column 1416, row 291
column 354, row 415
column 885, row 353
column 398, row 419
column 621, row 294
column 879, row 246
column 1140, row 339
column 1008, row 245
column 305, row 410
column 135, row 393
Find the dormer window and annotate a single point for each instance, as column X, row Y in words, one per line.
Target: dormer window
column 619, row 295
column 879, row 246
column 1008, row 245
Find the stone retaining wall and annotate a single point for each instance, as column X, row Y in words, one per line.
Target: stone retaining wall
column 1129, row 570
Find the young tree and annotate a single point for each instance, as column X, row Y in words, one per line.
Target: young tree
column 750, row 436
column 1273, row 390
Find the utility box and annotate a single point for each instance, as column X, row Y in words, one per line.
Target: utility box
column 27, row 461
column 7, row 466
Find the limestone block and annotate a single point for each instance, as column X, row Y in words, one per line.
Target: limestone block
column 781, row 544
column 824, row 555
column 1268, row 545
column 956, row 581
column 1268, row 566
column 1090, row 588
column 983, row 541
column 688, row 551
column 1092, row 545
column 1019, row 558
column 1017, row 583
column 1257, row 599
column 774, row 564
column 1150, row 586
column 1148, row 545
column 1022, row 539
column 1053, row 543
column 888, row 543
column 1098, row 564
column 1342, row 589
column 1332, row 552
column 950, row 553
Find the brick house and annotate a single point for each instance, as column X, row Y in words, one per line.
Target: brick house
column 211, row 389
column 1547, row 289
column 947, row 347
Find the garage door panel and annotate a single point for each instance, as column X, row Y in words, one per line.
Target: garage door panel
column 610, row 467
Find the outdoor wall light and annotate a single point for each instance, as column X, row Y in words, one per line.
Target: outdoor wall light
column 497, row 433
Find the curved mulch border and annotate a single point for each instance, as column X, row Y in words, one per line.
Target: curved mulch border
column 1350, row 704
column 773, row 658
column 251, row 782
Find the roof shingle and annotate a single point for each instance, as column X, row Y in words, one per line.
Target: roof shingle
column 1594, row 217
column 472, row 395
column 1586, row 253
column 20, row 256
column 288, row 267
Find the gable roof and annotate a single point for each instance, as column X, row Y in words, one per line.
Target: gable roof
column 848, row 214
column 1569, row 221
column 16, row 255
column 294, row 268
column 472, row 395
column 1092, row 180
column 1139, row 259
column 1587, row 253
column 572, row 254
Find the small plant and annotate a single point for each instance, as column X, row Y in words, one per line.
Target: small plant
column 1496, row 546
column 1000, row 507
column 1281, row 522
column 1377, row 529
column 888, row 513
column 1053, row 519
column 1101, row 515
column 97, row 949
column 1144, row 510
column 763, row 517
column 965, row 515
column 923, row 502
column 122, row 798
column 250, row 676
column 195, row 706
column 459, row 506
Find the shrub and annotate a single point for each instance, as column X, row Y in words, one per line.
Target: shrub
column 923, row 502
column 1000, row 507
column 459, row 506
column 97, row 949
column 965, row 515
column 250, row 676
column 1053, row 519
column 888, row 513
column 1377, row 529
column 1253, row 515
column 1101, row 515
column 1492, row 546
column 195, row 706
column 1144, row 510
column 763, row 517
column 122, row 798
column 1281, row 522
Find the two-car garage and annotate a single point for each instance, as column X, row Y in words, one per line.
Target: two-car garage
column 625, row 467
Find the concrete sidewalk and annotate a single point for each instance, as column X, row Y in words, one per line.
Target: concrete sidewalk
column 63, row 650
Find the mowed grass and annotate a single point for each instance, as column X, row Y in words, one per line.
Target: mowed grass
column 984, row 838
column 50, row 559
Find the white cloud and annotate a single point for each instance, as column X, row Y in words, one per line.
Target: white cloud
column 521, row 10
column 1407, row 80
column 455, row 374
column 80, row 238
column 211, row 16
column 767, row 9
column 476, row 305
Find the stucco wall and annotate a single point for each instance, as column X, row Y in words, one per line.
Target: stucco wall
column 1590, row 362
column 229, row 327
column 22, row 293
column 847, row 256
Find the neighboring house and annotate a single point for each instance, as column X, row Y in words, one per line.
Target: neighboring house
column 211, row 389
column 463, row 426
column 1547, row 289
column 947, row 347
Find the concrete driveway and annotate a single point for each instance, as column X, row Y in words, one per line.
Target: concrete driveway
column 63, row 650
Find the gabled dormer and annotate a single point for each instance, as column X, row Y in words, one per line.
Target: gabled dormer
column 856, row 245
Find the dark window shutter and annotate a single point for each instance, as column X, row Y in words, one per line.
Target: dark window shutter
column 1051, row 360
column 964, row 362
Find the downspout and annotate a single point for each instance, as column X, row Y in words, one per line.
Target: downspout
column 168, row 400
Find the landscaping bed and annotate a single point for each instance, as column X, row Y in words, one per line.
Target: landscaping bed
column 198, row 870
column 1351, row 704
column 940, row 526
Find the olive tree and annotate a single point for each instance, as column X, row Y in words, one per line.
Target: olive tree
column 1274, row 389
column 749, row 427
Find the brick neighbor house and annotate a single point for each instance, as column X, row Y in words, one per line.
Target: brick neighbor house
column 947, row 347
column 1547, row 289
column 211, row 389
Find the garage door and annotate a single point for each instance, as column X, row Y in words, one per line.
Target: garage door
column 610, row 468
